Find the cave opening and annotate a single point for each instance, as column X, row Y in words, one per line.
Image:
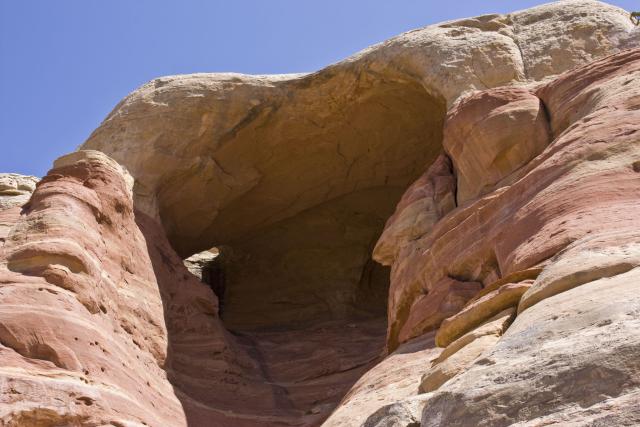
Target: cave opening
column 297, row 287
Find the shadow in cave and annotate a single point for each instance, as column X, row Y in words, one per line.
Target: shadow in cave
column 201, row 362
column 302, row 313
column 262, row 377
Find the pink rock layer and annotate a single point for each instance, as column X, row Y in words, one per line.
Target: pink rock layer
column 583, row 186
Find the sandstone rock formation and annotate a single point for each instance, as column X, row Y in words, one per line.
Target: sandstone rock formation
column 568, row 220
column 15, row 191
column 426, row 201
column 523, row 151
column 480, row 136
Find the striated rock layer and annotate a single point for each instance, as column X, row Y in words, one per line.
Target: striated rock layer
column 505, row 288
column 102, row 324
column 557, row 240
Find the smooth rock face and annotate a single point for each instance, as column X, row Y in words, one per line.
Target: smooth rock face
column 457, row 363
column 584, row 261
column 529, row 199
column 491, row 134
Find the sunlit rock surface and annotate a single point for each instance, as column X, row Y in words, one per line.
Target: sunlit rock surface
column 499, row 197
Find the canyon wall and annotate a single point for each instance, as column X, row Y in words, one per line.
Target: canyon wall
column 550, row 334
column 439, row 230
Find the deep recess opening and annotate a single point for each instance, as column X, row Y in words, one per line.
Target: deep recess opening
column 300, row 294
column 208, row 266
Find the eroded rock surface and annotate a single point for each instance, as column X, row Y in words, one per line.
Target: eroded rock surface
column 487, row 147
column 524, row 201
column 556, row 236
column 82, row 328
column 298, row 174
column 101, row 323
column 15, row 191
column 394, row 379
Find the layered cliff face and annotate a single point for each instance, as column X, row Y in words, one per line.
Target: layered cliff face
column 550, row 336
column 501, row 290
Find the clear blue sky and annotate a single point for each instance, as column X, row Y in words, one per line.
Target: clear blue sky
column 64, row 64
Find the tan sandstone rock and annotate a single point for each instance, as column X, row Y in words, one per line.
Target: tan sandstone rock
column 255, row 162
column 461, row 353
column 456, row 363
column 403, row 413
column 198, row 263
column 15, row 189
column 586, row 260
column 568, row 360
column 396, row 378
column 496, row 325
column 478, row 311
column 427, row 200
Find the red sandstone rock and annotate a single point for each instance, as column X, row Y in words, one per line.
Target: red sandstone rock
column 492, row 134
column 550, row 202
column 85, row 294
column 100, row 313
column 82, row 319
column 426, row 201
column 100, row 322
column 571, row 214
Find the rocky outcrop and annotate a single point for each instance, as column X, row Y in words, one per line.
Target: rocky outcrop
column 477, row 311
column 297, row 174
column 426, row 201
column 523, row 205
column 81, row 325
column 544, row 243
column 461, row 353
column 479, row 134
column 201, row 263
column 15, row 191
column 545, row 369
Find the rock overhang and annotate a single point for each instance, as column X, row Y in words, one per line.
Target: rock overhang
column 372, row 123
column 229, row 159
